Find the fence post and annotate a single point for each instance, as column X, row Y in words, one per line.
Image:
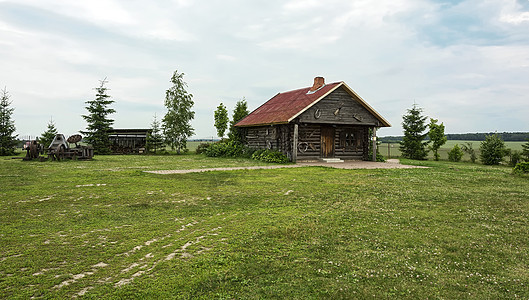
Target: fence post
column 295, row 144
column 374, row 144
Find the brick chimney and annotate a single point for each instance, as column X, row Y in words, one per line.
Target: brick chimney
column 319, row 82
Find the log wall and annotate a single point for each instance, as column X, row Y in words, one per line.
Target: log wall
column 350, row 142
column 309, row 142
column 275, row 137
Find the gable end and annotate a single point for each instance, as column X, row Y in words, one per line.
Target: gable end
column 339, row 107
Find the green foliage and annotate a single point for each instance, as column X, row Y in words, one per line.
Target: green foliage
column 239, row 113
column 414, row 124
column 514, row 157
column 455, row 154
column 505, row 136
column 227, row 148
column 202, row 147
column 47, row 136
column 467, row 147
column 492, row 150
column 98, row 123
column 155, row 140
column 380, row 157
column 271, row 156
column 437, row 137
column 177, row 121
column 525, row 151
column 221, row 120
column 521, row 168
column 8, row 138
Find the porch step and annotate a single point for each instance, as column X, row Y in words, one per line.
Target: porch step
column 332, row 160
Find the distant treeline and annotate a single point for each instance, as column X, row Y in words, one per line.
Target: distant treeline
column 506, row 136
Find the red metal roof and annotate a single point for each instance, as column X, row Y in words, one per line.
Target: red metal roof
column 283, row 106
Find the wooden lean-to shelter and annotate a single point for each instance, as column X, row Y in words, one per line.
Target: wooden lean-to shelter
column 325, row 121
column 128, row 141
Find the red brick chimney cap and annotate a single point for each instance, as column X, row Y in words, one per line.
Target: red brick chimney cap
column 319, row 82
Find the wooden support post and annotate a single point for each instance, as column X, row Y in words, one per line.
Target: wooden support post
column 295, row 144
column 374, row 144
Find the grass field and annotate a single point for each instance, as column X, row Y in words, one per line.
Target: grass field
column 443, row 151
column 105, row 229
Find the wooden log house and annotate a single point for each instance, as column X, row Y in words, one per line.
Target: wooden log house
column 325, row 121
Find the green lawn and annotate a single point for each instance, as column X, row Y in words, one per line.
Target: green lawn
column 104, row 228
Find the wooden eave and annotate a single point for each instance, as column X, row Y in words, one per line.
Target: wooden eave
column 263, row 124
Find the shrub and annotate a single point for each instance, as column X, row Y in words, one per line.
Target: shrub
column 271, row 156
column 455, row 154
column 257, row 154
column 492, row 150
column 521, row 168
column 162, row 152
column 380, row 157
column 202, row 147
column 227, row 149
column 515, row 157
column 525, row 151
column 468, row 149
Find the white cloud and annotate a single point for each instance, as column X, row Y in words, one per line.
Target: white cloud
column 462, row 62
column 515, row 18
column 124, row 17
column 104, row 12
column 296, row 5
column 512, row 13
column 226, row 57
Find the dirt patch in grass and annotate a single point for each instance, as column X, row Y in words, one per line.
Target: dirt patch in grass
column 351, row 164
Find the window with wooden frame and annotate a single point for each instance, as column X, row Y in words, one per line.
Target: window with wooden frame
column 347, row 138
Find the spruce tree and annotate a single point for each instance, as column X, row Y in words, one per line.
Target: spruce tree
column 414, row 124
column 99, row 125
column 155, row 138
column 177, row 121
column 239, row 113
column 8, row 138
column 492, row 150
column 221, row 120
column 525, row 151
column 47, row 136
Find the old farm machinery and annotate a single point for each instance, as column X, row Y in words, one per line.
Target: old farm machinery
column 60, row 148
column 33, row 149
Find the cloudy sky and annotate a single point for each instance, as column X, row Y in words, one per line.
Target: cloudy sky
column 465, row 62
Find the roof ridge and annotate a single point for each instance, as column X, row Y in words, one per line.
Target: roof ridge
column 308, row 87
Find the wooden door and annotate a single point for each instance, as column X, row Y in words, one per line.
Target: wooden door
column 327, row 141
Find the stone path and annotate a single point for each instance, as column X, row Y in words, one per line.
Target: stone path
column 353, row 164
